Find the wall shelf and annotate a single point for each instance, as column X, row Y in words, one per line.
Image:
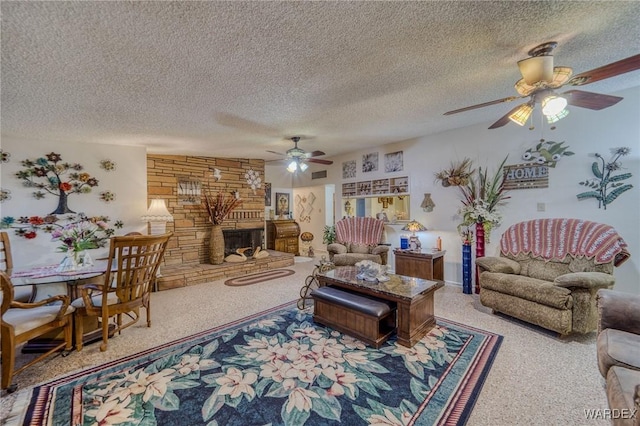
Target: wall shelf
column 379, row 187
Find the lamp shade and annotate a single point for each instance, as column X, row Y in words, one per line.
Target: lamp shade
column 157, row 212
column 536, row 69
column 414, row 226
column 553, row 105
column 522, row 114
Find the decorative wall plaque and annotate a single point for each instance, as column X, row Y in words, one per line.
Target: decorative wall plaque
column 189, row 191
column 525, row 176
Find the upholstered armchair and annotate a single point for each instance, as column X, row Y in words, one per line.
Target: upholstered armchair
column 549, row 271
column 618, row 349
column 358, row 238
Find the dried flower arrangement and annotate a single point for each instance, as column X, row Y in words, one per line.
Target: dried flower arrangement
column 456, row 175
column 220, row 205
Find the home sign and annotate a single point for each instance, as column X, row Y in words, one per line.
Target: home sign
column 526, row 175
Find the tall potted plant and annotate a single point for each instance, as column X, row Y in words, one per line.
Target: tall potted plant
column 481, row 198
column 218, row 208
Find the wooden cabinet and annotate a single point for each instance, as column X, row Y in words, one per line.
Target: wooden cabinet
column 426, row 265
column 282, row 235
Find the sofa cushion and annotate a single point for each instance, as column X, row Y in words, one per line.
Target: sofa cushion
column 623, row 394
column 548, row 271
column 532, row 289
column 498, row 264
column 359, row 248
column 616, row 347
column 348, row 259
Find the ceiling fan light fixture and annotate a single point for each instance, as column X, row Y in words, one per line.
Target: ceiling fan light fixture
column 557, row 117
column 536, row 69
column 523, row 88
column 522, row 114
column 553, row 105
column 560, row 76
column 303, row 167
column 293, row 166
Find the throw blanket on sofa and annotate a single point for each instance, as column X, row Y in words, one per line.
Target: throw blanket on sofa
column 360, row 230
column 551, row 239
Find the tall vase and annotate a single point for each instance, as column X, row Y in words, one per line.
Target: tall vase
column 62, row 208
column 466, row 269
column 216, row 245
column 479, row 250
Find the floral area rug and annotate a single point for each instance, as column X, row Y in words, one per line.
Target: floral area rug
column 275, row 368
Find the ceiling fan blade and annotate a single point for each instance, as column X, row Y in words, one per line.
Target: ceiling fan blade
column 611, row 70
column 497, row 101
column 590, row 100
column 318, row 161
column 504, row 119
column 277, row 153
column 315, row 154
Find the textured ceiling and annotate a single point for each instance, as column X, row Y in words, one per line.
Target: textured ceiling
column 234, row 79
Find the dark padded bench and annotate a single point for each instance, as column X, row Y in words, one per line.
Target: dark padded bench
column 366, row 318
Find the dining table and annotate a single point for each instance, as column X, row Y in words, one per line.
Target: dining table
column 52, row 280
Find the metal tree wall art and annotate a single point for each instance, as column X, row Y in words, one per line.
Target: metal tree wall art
column 51, row 175
column 605, row 186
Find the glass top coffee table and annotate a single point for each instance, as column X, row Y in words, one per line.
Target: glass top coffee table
column 414, row 298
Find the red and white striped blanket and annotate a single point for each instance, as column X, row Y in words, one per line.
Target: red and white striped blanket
column 554, row 239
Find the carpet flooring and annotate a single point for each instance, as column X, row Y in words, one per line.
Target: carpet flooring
column 536, row 378
column 277, row 367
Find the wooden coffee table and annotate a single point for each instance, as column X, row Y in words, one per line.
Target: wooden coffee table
column 414, row 298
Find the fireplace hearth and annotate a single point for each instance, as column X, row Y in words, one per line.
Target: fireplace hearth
column 241, row 238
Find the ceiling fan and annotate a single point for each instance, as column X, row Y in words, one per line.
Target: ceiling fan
column 540, row 79
column 297, row 157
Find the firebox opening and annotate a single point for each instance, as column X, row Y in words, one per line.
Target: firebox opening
column 241, row 238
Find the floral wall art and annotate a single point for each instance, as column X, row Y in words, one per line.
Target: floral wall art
column 547, row 152
column 608, row 183
column 36, row 177
column 349, row 169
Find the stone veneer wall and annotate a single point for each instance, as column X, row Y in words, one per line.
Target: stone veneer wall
column 191, row 226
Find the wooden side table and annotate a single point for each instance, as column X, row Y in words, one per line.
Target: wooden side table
column 420, row 264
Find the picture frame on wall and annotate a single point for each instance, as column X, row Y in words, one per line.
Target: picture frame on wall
column 349, row 169
column 393, row 162
column 282, row 204
column 370, row 162
column 267, row 194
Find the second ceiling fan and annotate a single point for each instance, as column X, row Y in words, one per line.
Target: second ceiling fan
column 540, row 79
column 297, row 157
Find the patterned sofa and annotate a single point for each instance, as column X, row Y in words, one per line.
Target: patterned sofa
column 358, row 238
column 549, row 271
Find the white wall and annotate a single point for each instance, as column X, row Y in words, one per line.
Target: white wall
column 584, row 131
column 128, row 181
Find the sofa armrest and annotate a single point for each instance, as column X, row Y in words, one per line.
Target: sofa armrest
column 585, row 280
column 336, row 248
column 498, row 264
column 379, row 249
column 618, row 310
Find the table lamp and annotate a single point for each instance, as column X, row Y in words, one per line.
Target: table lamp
column 414, row 226
column 158, row 215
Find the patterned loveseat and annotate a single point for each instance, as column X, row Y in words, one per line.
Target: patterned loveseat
column 358, row 238
column 549, row 271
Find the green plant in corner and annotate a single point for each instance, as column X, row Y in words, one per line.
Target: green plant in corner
column 329, row 234
column 606, row 188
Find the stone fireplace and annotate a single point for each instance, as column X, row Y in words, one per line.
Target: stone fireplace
column 240, row 238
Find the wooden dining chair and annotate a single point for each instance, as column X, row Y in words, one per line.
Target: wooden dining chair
column 24, row 321
column 21, row 293
column 132, row 265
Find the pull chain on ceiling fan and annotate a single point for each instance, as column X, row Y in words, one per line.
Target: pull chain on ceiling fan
column 540, row 80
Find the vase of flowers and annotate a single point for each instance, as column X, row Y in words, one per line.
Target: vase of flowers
column 78, row 237
column 218, row 208
column 482, row 196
